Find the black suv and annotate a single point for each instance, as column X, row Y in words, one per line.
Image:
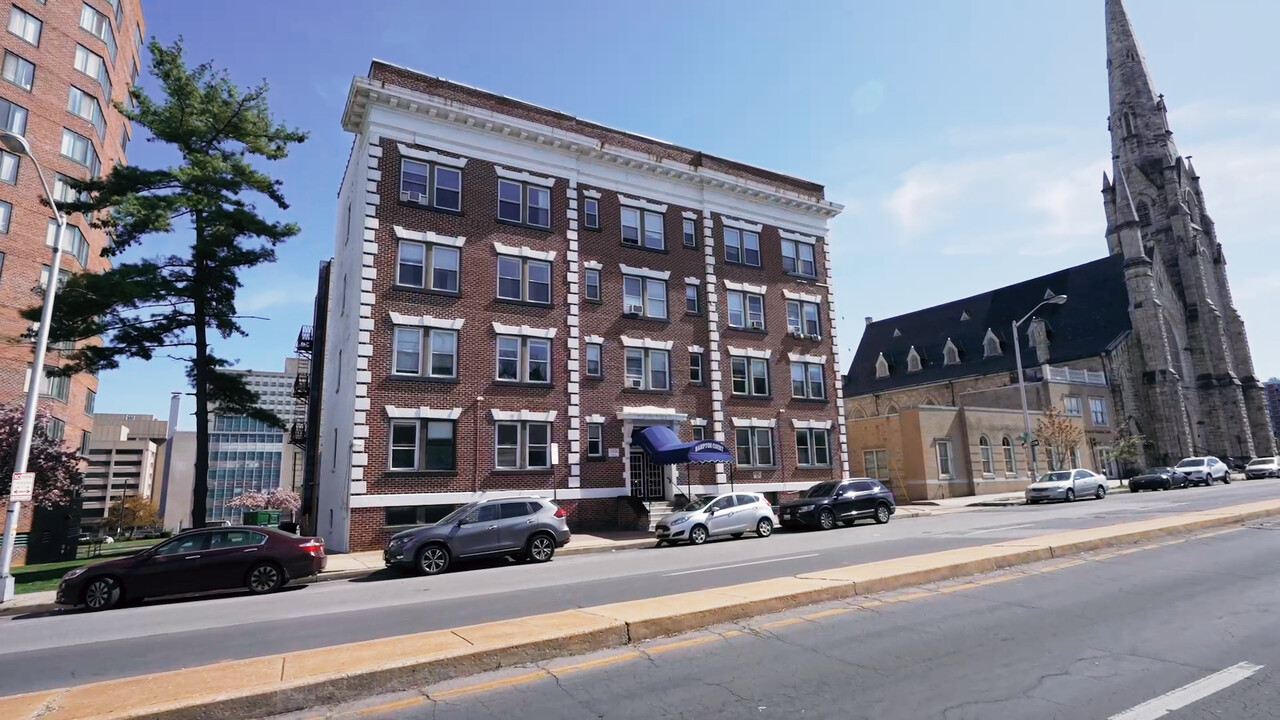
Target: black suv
column 527, row 528
column 845, row 501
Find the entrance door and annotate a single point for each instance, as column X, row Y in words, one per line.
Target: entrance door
column 646, row 477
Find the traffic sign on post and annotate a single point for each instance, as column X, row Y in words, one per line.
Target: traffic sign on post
column 22, row 487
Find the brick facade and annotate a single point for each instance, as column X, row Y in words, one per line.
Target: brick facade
column 567, row 157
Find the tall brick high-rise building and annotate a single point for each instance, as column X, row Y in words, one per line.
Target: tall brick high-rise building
column 515, row 291
column 1188, row 384
column 63, row 64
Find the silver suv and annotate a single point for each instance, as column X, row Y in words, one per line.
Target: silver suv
column 526, row 528
column 731, row 514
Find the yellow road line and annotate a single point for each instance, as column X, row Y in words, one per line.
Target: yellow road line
column 388, row 707
column 492, row 684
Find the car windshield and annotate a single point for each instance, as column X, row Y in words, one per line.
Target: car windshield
column 1194, row 462
column 457, row 515
column 698, row 504
column 1262, row 461
column 821, row 490
column 1060, row 476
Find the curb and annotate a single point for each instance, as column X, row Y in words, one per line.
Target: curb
column 296, row 681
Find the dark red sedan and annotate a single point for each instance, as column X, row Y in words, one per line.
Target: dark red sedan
column 258, row 559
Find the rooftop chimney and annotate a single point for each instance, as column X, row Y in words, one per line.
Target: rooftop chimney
column 869, row 319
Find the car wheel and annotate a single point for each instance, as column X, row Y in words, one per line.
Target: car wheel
column 1226, row 478
column 433, row 560
column 1101, row 492
column 540, row 548
column 882, row 514
column 764, row 528
column 826, row 519
column 1070, row 496
column 1168, row 484
column 660, row 543
column 102, row 594
column 264, row 578
column 697, row 535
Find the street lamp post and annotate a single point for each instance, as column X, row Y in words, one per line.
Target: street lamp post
column 1022, row 387
column 18, row 145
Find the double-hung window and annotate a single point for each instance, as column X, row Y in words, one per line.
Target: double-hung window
column 644, row 296
column 99, row 26
column 82, row 104
column 524, row 203
column 755, row 446
column 875, row 464
column 699, row 433
column 523, row 359
column 91, row 63
column 797, row 258
column 73, row 242
column 690, row 233
column 643, row 228
column 80, row 149
column 90, row 398
column 648, row 369
column 19, row 71
column 431, row 184
column 522, row 445
column 802, row 318
column 806, row 381
column 741, row 246
column 1098, row 410
column 56, row 429
column 13, row 117
column 6, row 212
column 1071, row 403
column 591, row 284
column 54, row 386
column 595, row 367
column 746, row 310
column 595, row 440
column 591, row 213
column 8, row 167
column 750, row 376
column 63, row 277
column 524, row 279
column 691, row 299
column 426, row 352
column 423, row 445
column 695, row 368
column 427, row 265
column 25, row 25
column 64, row 193
column 944, row 458
column 812, row 449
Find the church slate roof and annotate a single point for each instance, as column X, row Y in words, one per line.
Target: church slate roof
column 1094, row 318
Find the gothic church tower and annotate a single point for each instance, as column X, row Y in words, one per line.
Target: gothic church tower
column 1189, row 385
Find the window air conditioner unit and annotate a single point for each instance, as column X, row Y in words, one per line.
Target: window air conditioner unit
column 757, row 325
column 635, row 309
column 413, row 197
column 797, row 334
column 635, row 383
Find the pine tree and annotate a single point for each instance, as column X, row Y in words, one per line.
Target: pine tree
column 198, row 221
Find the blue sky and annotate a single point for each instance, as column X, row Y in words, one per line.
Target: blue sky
column 967, row 139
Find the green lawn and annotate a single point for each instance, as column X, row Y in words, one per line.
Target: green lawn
column 39, row 578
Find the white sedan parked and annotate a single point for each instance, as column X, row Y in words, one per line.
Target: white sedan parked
column 1204, row 470
column 1067, row 485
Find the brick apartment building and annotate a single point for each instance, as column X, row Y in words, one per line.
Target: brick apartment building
column 515, row 291
column 63, row 65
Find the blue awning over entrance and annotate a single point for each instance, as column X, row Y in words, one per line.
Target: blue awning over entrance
column 665, row 448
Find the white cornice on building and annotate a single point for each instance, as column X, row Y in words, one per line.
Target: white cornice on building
column 522, row 176
column 746, row 287
column 811, row 424
column 592, row 265
column 523, row 330
column 591, row 194
column 647, row 343
column 749, row 352
column 593, row 340
column 430, row 156
column 645, row 272
column 754, row 422
column 698, row 422
column 696, row 349
column 524, row 252
column 741, row 224
column 692, row 281
column 651, row 413
column 429, row 237
column 815, row 359
column 798, row 237
column 641, row 203
column 788, row 294
column 423, row 413
column 594, row 418
column 426, row 321
column 689, row 215
column 523, row 415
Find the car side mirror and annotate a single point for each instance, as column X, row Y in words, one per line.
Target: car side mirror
column 711, row 511
column 461, row 522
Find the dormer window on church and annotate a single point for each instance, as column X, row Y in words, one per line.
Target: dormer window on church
column 950, row 354
column 1144, row 213
column 913, row 360
column 882, row 367
column 991, row 345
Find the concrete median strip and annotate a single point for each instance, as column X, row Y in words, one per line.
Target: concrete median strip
column 295, row 681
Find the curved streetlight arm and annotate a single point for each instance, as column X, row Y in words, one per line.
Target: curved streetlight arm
column 1055, row 300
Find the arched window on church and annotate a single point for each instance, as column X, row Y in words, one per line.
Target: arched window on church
column 891, row 410
column 1144, row 213
column 988, row 459
column 882, row 367
column 1006, row 446
column 991, row 345
column 950, row 354
column 913, row 360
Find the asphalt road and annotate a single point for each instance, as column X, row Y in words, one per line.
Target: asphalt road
column 1188, row 627
column 38, row 652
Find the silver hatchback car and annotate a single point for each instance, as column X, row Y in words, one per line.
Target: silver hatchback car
column 732, row 514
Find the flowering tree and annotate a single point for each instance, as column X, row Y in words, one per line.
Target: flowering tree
column 1059, row 436
column 278, row 499
column 57, row 469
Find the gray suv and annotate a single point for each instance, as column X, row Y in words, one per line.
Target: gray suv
column 526, row 528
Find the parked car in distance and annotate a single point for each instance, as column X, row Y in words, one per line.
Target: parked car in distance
column 1158, row 478
column 732, row 514
column 260, row 560
column 1204, row 470
column 1262, row 467
column 1067, row 485
column 844, row 501
column 526, row 528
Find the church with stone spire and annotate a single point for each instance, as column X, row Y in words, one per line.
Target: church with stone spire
column 1187, row 381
